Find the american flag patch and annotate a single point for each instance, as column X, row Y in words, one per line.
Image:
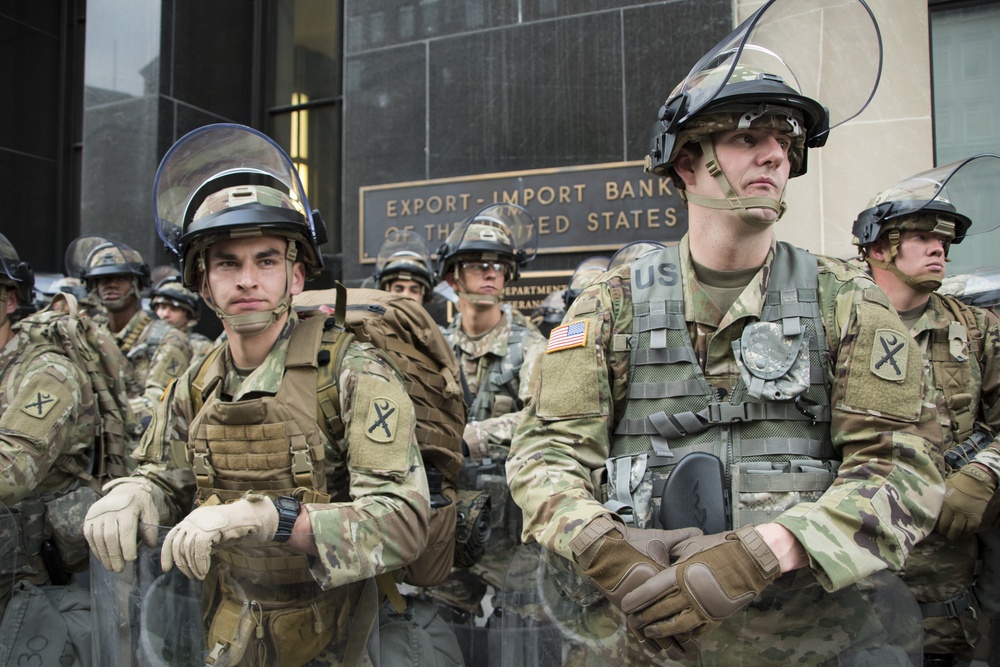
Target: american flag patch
column 569, row 335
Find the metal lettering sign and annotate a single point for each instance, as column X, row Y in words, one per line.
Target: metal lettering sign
column 593, row 208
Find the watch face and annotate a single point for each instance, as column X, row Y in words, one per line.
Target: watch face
column 287, row 503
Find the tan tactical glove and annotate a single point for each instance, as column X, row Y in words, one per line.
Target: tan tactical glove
column 254, row 518
column 133, row 506
column 715, row 576
column 620, row 559
column 967, row 494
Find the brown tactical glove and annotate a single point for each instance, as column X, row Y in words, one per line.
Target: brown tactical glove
column 715, row 576
column 619, row 559
column 967, row 494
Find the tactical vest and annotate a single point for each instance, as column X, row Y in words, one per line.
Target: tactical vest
column 952, row 350
column 498, row 382
column 771, row 433
column 157, row 329
column 274, row 446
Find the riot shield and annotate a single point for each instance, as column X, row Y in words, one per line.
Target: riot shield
column 145, row 616
column 552, row 616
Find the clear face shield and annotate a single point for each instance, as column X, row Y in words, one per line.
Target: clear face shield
column 497, row 233
column 91, row 257
column 583, row 275
column 843, row 38
column 224, row 156
column 404, row 255
column 15, row 270
column 955, row 195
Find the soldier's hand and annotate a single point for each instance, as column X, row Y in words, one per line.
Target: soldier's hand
column 715, row 576
column 620, row 559
column 967, row 494
column 133, row 507
column 189, row 544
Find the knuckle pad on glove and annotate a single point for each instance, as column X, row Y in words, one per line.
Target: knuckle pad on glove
column 710, row 595
column 652, row 589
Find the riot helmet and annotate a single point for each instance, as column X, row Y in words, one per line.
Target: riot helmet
column 980, row 288
column 629, row 252
column 170, row 291
column 91, row 257
column 404, row 256
column 751, row 79
column 499, row 233
column 583, row 275
column 549, row 312
column 940, row 200
column 17, row 272
column 224, row 181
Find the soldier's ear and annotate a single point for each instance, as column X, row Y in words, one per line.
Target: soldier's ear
column 12, row 300
column 684, row 164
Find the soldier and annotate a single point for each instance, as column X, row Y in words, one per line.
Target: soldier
column 551, row 310
column 48, row 427
column 904, row 235
column 288, row 522
column 497, row 349
column 181, row 308
column 157, row 352
column 760, row 361
column 403, row 266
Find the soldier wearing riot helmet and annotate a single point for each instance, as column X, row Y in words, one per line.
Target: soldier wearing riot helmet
column 335, row 510
column 180, row 308
column 48, row 426
column 497, row 349
column 116, row 274
column 701, row 347
column 403, row 266
column 904, row 235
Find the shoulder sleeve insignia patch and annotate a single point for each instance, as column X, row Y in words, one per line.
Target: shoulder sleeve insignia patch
column 568, row 336
column 889, row 352
column 40, row 405
column 381, row 422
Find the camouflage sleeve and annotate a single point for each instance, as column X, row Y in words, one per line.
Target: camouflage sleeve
column 889, row 488
column 169, row 361
column 494, row 434
column 50, row 413
column 563, row 442
column 989, row 401
column 384, row 526
column 162, row 449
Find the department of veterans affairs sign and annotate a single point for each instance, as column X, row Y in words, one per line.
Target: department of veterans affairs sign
column 594, row 208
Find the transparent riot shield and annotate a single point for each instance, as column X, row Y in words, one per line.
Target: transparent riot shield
column 145, row 616
column 552, row 616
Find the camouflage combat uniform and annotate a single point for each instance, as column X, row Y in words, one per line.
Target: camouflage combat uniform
column 200, row 345
column 941, row 572
column 886, row 495
column 48, row 425
column 157, row 353
column 498, row 367
column 369, row 510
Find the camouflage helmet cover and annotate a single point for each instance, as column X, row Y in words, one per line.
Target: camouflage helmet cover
column 16, row 271
column 91, row 256
column 584, row 274
column 753, row 74
column 499, row 232
column 944, row 199
column 632, row 251
column 171, row 292
column 404, row 256
column 224, row 178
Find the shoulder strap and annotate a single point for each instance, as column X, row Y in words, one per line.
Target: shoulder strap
column 203, row 381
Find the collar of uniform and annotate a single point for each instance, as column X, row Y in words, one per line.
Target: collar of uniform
column 493, row 341
column 698, row 304
column 936, row 316
column 266, row 378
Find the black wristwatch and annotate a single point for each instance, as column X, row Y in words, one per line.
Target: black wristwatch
column 288, row 511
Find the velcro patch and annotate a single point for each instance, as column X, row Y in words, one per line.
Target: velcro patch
column 568, row 336
column 889, row 352
column 40, row 405
column 383, row 415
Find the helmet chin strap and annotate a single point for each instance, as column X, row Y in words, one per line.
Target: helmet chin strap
column 731, row 201
column 924, row 282
column 477, row 299
column 251, row 324
column 115, row 305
